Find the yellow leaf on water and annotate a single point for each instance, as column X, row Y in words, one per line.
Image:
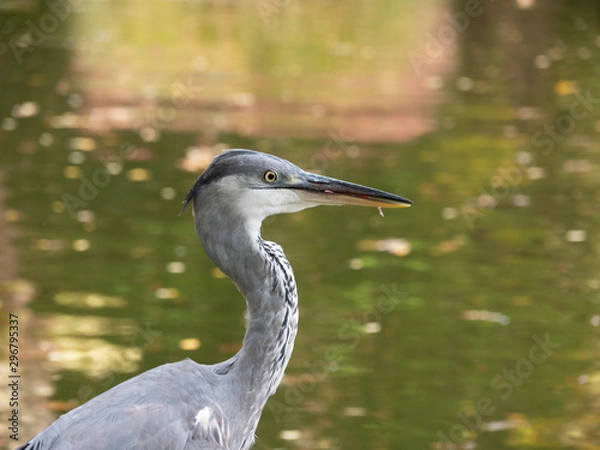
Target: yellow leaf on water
column 189, row 344
column 138, row 174
column 565, row 87
column 395, row 246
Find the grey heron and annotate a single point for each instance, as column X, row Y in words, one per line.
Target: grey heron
column 186, row 405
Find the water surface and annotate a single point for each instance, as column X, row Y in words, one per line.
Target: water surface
column 470, row 320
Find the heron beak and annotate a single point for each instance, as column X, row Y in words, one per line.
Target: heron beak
column 329, row 191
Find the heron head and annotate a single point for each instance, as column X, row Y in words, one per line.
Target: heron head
column 258, row 185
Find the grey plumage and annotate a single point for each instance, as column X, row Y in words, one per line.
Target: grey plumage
column 186, row 405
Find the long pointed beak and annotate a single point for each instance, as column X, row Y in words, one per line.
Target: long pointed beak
column 329, row 191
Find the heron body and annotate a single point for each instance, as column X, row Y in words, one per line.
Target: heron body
column 186, row 405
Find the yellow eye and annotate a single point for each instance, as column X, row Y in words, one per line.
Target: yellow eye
column 270, row 176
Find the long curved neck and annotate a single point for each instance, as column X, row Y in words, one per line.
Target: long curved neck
column 263, row 275
column 272, row 324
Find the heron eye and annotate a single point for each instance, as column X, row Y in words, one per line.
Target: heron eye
column 270, row 176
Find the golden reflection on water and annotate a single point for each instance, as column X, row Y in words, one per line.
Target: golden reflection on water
column 222, row 68
column 78, row 342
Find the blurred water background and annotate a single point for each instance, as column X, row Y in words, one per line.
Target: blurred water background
column 468, row 321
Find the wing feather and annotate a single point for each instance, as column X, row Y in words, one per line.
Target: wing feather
column 159, row 409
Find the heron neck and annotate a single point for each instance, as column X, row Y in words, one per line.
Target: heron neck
column 273, row 321
column 263, row 275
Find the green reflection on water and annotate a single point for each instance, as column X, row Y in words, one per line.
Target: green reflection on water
column 393, row 351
